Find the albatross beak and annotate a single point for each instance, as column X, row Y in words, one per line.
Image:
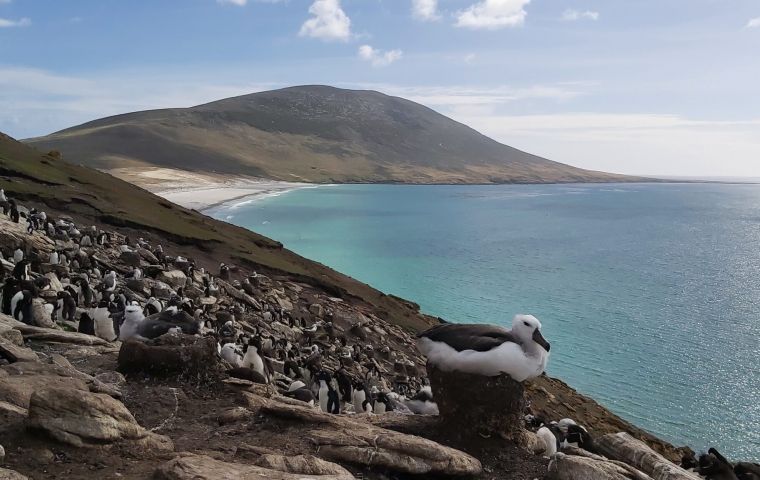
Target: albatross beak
column 539, row 339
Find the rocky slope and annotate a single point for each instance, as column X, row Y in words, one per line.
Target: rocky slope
column 315, row 134
column 77, row 405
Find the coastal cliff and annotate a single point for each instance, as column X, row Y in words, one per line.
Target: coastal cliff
column 70, row 406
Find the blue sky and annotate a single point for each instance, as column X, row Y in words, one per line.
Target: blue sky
column 635, row 86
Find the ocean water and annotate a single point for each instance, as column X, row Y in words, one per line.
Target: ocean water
column 649, row 294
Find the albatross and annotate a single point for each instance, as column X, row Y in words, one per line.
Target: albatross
column 489, row 350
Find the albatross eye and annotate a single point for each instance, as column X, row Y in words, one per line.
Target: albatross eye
column 526, row 324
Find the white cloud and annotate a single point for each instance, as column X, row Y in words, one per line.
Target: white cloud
column 23, row 22
column 426, row 10
column 754, row 23
column 328, row 22
column 571, row 15
column 493, row 14
column 239, row 3
column 379, row 58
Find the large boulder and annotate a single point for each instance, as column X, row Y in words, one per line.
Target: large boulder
column 201, row 467
column 88, row 419
column 181, row 355
column 173, row 278
column 570, row 467
column 18, row 381
column 11, row 352
column 130, row 258
column 477, row 405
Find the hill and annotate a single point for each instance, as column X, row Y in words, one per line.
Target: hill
column 96, row 197
column 314, row 134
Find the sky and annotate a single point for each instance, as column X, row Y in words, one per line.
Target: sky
column 648, row 87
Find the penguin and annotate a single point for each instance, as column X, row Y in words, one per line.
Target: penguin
column 329, row 401
column 10, row 287
column 382, row 404
column 551, row 442
column 361, row 399
column 577, row 436
column 21, row 270
column 18, row 255
column 422, row 403
column 67, row 305
column 54, row 258
column 103, row 323
column 21, row 306
column 133, row 317
column 252, row 359
column 344, row 384
column 86, row 324
column 152, row 307
column 230, row 353
column 109, row 281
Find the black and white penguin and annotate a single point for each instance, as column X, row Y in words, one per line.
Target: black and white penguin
column 152, row 307
column 252, row 358
column 18, row 255
column 383, row 404
column 329, row 401
column 422, row 403
column 549, row 436
column 109, row 281
column 21, row 270
column 488, row 350
column 101, row 316
column 86, row 324
column 345, row 385
column 21, row 306
column 66, row 305
column 361, row 399
column 10, row 287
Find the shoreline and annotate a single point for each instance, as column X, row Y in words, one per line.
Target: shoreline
column 204, row 191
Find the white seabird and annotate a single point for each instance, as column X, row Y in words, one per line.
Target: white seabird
column 488, row 350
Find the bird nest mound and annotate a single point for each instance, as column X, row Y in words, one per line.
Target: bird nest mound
column 471, row 405
column 186, row 356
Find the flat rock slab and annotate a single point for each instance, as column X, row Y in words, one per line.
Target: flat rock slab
column 200, row 467
column 13, row 353
column 623, row 447
column 19, row 380
column 342, row 439
column 88, row 419
column 570, row 467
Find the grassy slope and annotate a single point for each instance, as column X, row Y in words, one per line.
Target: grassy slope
column 94, row 196
column 311, row 133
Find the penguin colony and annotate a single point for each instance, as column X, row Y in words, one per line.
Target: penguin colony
column 314, row 348
column 265, row 331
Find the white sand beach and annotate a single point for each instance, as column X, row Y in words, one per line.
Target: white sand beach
column 202, row 191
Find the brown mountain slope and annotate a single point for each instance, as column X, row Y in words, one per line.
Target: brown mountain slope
column 93, row 196
column 310, row 133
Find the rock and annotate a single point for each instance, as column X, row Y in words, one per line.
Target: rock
column 19, row 380
column 173, row 278
column 87, row 419
column 200, row 467
column 183, row 355
column 13, row 353
column 6, row 474
column 12, row 335
column 317, row 310
column 131, row 259
column 472, row 404
column 55, row 284
column 136, row 285
column 239, row 294
column 235, row 415
column 623, row 447
column 148, row 256
column 302, row 464
column 342, row 439
column 41, row 334
column 569, row 467
column 115, row 379
column 2, row 455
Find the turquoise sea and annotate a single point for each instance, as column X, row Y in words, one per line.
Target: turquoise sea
column 649, row 294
